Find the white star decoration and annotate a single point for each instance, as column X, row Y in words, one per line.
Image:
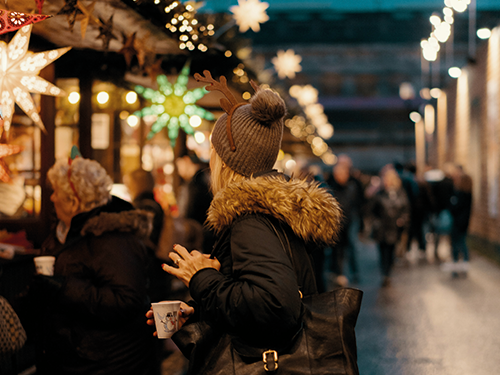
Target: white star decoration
column 287, row 63
column 249, row 14
column 19, row 70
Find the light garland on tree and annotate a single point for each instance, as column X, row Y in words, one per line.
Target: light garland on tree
column 19, row 69
column 173, row 105
column 249, row 14
column 287, row 63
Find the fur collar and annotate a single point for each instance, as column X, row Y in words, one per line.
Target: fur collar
column 312, row 212
column 139, row 222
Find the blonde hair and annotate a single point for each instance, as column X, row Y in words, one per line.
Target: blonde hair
column 92, row 185
column 220, row 174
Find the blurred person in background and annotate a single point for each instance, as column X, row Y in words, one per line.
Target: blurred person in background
column 461, row 206
column 344, row 191
column 390, row 212
column 194, row 195
column 89, row 314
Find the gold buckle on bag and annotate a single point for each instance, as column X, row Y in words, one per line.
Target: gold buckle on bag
column 265, row 356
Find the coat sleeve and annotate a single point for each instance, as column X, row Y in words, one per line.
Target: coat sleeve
column 261, row 295
column 114, row 286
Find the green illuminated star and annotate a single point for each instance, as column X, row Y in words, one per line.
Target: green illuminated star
column 173, row 105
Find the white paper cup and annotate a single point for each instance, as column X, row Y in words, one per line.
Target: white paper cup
column 166, row 315
column 44, row 265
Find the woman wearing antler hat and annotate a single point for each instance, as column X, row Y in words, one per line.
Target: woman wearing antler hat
column 249, row 288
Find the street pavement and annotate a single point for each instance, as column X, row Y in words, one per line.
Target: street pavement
column 427, row 322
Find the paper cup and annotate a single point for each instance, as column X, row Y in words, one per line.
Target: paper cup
column 44, row 265
column 166, row 315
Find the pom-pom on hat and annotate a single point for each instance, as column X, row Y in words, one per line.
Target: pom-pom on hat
column 248, row 136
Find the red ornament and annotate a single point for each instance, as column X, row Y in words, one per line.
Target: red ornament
column 10, row 21
column 39, row 5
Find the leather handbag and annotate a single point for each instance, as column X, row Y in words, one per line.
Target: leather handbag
column 325, row 345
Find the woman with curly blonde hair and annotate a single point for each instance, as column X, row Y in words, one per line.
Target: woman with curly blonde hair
column 97, row 296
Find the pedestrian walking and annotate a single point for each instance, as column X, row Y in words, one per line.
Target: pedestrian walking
column 390, row 211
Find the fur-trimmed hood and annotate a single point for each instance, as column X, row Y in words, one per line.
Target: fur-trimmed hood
column 139, row 222
column 312, row 212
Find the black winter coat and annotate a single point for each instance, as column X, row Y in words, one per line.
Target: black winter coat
column 95, row 324
column 255, row 296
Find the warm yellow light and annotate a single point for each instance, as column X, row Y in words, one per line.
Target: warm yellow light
column 435, row 20
column 246, row 95
column 124, row 115
column 281, row 155
column 131, row 97
column 435, row 92
column 429, row 119
column 483, row 33
column 228, row 53
column 199, row 137
column 415, row 117
column 195, row 121
column 74, row 97
column 290, row 164
column 454, row 72
column 132, row 121
column 102, row 97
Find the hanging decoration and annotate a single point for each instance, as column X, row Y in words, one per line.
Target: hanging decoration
column 11, row 21
column 249, row 14
column 106, row 32
column 174, row 105
column 128, row 50
column 287, row 63
column 39, row 5
column 71, row 10
column 19, row 69
column 87, row 18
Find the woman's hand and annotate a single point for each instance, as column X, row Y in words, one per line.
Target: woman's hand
column 184, row 313
column 188, row 263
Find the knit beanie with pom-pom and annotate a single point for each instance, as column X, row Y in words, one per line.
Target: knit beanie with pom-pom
column 256, row 129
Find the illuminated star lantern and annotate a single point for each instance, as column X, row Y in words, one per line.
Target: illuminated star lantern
column 249, row 14
column 174, row 105
column 19, row 70
column 287, row 63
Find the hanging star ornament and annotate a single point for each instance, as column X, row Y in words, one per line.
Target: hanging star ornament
column 249, row 14
column 19, row 69
column 128, row 50
column 106, row 32
column 287, row 63
column 72, row 11
column 39, row 5
column 174, row 105
column 11, row 21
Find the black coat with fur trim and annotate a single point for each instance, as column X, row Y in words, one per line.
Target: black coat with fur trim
column 255, row 295
column 96, row 322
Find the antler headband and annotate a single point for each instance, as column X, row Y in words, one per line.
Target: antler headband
column 230, row 104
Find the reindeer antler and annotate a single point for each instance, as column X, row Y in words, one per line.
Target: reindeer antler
column 226, row 104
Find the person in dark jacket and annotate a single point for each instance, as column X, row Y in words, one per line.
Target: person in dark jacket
column 95, row 302
column 390, row 211
column 249, row 287
column 461, row 205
